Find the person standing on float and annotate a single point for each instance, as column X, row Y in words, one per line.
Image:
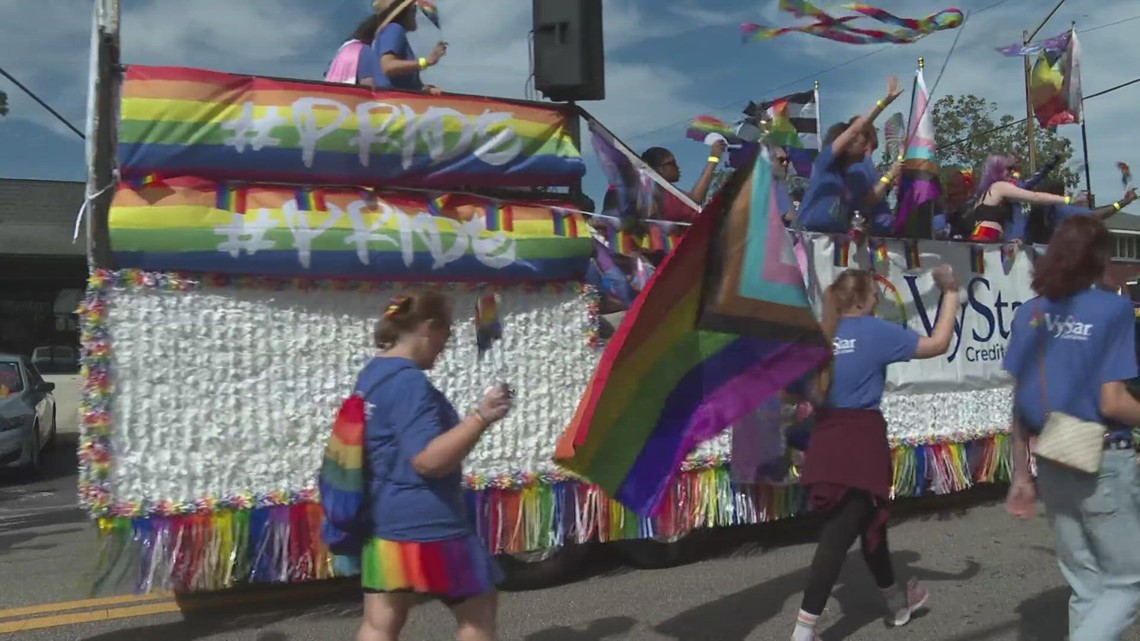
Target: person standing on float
column 847, row 467
column 397, row 65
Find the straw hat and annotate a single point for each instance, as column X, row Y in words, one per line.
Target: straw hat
column 390, row 9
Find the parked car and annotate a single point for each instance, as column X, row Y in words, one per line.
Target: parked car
column 27, row 413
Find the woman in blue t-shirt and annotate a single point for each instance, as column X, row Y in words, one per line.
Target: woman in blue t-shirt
column 830, row 198
column 397, row 66
column 1071, row 349
column 422, row 544
column 847, row 465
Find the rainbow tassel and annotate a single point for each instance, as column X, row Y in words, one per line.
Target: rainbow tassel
column 842, row 255
column 565, row 223
column 430, row 11
column 310, row 199
column 498, row 217
column 229, row 198
column 978, row 259
column 913, row 259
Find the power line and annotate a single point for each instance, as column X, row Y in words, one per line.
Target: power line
column 1018, row 122
column 826, row 70
column 43, row 104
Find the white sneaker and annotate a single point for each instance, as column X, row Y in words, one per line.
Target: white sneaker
column 916, row 598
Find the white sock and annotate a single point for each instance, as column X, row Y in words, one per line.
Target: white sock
column 805, row 626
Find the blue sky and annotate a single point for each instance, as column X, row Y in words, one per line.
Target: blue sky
column 667, row 61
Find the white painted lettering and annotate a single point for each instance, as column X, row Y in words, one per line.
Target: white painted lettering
column 305, row 112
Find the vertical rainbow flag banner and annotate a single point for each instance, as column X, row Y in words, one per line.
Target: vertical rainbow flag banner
column 913, row 258
column 842, row 255
column 664, row 385
column 230, row 198
column 978, row 259
column 488, row 323
column 497, row 216
column 309, row 199
column 565, row 224
column 919, row 188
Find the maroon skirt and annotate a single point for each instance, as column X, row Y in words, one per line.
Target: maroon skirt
column 849, row 451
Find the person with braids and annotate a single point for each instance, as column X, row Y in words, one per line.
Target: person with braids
column 423, row 545
column 847, row 467
column 1072, row 350
column 837, row 187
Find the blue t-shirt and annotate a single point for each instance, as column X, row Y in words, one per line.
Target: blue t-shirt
column 393, row 39
column 861, row 180
column 863, row 347
column 404, row 413
column 1088, row 340
column 826, row 205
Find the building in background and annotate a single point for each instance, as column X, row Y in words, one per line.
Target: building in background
column 42, row 273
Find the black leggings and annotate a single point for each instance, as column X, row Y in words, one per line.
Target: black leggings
column 847, row 522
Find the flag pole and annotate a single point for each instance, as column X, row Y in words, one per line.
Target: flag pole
column 818, row 117
column 1085, row 140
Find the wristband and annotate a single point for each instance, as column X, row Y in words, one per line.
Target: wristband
column 1068, row 200
column 424, row 64
column 479, row 415
column 714, row 160
column 881, row 104
column 886, row 180
column 1116, row 206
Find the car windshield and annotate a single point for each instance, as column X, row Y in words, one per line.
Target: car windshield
column 10, row 380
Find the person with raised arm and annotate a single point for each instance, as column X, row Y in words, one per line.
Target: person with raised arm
column 397, row 65
column 997, row 195
column 829, row 203
column 422, row 544
column 1071, row 351
column 847, row 467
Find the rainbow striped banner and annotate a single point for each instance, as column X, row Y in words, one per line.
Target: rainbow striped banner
column 178, row 121
column 196, row 225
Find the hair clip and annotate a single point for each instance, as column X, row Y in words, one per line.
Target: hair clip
column 395, row 305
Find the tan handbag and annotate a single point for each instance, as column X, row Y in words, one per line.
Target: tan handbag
column 1067, row 440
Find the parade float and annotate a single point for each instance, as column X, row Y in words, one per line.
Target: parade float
column 259, row 226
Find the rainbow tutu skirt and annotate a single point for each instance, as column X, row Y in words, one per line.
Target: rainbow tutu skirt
column 452, row 569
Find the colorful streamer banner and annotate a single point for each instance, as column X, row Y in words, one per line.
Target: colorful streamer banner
column 195, row 225
column 179, row 121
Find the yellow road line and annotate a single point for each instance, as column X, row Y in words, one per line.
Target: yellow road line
column 83, row 604
column 24, row 625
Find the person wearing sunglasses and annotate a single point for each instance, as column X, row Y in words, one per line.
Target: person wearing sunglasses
column 780, row 165
column 662, row 161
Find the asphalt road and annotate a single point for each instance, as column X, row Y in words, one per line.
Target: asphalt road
column 990, row 578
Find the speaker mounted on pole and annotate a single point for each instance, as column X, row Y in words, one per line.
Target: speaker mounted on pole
column 569, row 50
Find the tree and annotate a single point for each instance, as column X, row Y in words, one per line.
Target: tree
column 3, row 104
column 970, row 119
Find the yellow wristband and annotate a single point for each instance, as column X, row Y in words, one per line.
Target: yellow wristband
column 1116, row 206
column 881, row 104
column 714, row 159
column 424, row 64
column 886, row 180
column 1068, row 200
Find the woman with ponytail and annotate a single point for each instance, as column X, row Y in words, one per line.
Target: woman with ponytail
column 848, row 461
column 422, row 544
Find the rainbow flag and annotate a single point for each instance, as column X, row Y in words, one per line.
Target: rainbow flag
column 565, row 223
column 663, row 386
column 149, row 180
column 657, row 239
column 179, row 121
column 913, row 257
column 195, row 225
column 978, row 259
column 498, row 217
column 702, row 126
column 437, row 203
column 842, row 252
column 488, row 323
column 430, row 11
column 1055, row 84
column 310, row 200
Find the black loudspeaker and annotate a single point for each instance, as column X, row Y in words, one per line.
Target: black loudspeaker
column 569, row 53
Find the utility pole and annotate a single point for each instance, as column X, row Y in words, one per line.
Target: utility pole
column 101, row 132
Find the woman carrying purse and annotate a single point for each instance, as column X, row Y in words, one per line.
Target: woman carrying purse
column 1070, row 351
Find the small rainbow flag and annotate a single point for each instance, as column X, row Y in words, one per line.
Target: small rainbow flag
column 842, row 254
column 565, row 224
column 498, row 217
column 1008, row 257
column 623, row 242
column 430, row 11
column 437, row 203
column 230, row 198
column 488, row 324
column 702, row 126
column 879, row 252
column 978, row 259
column 310, row 199
column 152, row 179
column 658, row 239
column 913, row 259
